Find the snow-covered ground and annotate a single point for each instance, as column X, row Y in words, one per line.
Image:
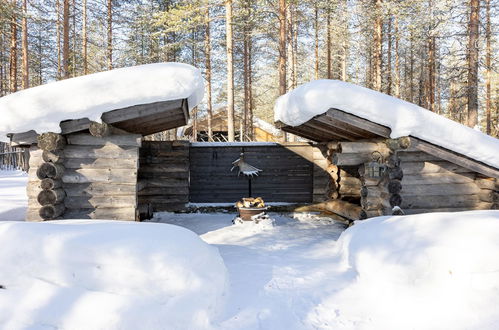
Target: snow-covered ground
column 430, row 271
column 13, row 199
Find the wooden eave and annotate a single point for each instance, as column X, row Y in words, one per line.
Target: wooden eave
column 337, row 125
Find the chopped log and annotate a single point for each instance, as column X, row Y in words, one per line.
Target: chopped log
column 362, row 147
column 374, row 203
column 438, row 178
column 350, row 191
column 126, row 213
column 47, row 197
column 133, row 140
column 33, row 214
column 365, row 214
column 345, row 209
column 25, row 139
column 403, row 142
column 51, row 212
column 333, row 145
column 431, row 167
column 395, row 200
column 50, row 170
column 434, row 202
column 105, row 189
column 51, row 141
column 349, row 181
column 33, row 189
column 333, row 172
column 88, row 175
column 49, row 183
column 394, row 186
column 74, row 125
column 55, row 156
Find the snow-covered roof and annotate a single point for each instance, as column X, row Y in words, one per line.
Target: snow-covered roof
column 42, row 108
column 403, row 118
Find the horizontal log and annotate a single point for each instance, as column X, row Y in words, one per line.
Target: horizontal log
column 47, row 197
column 437, row 178
column 50, row 170
column 128, row 214
column 74, row 125
column 374, row 191
column 440, row 189
column 51, row 212
column 374, row 203
column 49, row 183
column 431, row 167
column 107, row 151
column 362, row 147
column 51, row 141
column 484, row 206
column 55, row 156
column 349, row 181
column 342, row 208
column 132, row 140
column 341, row 159
column 99, row 189
column 85, row 202
column 89, row 175
column 25, row 139
column 446, row 201
column 489, row 184
column 417, row 156
column 352, row 191
column 101, row 163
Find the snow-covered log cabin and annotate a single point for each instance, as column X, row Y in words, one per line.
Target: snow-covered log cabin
column 391, row 155
column 85, row 135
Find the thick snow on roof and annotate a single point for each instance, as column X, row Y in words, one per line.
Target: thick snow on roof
column 42, row 108
column 404, row 118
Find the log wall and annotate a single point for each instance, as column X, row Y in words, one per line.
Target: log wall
column 163, row 176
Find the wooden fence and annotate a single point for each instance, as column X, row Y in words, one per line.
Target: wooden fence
column 13, row 158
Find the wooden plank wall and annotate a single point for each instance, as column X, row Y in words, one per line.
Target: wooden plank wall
column 100, row 179
column 431, row 184
column 164, row 175
column 287, row 176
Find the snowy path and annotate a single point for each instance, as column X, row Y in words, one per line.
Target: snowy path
column 278, row 276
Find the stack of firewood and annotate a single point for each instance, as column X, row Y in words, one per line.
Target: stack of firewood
column 250, row 203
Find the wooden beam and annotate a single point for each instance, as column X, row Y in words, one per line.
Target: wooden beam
column 140, row 111
column 359, row 122
column 74, row 125
column 455, row 158
column 328, row 130
column 25, row 139
column 353, row 131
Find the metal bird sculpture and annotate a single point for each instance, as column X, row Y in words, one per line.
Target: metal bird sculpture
column 244, row 167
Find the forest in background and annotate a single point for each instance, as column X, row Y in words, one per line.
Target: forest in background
column 439, row 54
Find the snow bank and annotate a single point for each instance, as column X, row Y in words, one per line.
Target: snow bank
column 42, row 108
column 13, row 198
column 426, row 271
column 404, row 118
column 107, row 275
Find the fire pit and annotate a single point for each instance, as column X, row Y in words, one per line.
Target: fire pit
column 249, row 208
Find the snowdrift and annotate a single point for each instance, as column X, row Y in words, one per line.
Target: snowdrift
column 404, row 118
column 426, row 271
column 42, row 108
column 107, row 275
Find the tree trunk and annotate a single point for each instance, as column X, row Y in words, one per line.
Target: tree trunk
column 397, row 59
column 109, row 34
column 282, row 47
column 25, row 82
column 58, row 37
column 328, row 44
column 378, row 45
column 65, row 40
column 207, row 43
column 389, row 57
column 473, row 63
column 250, row 86
column 230, row 71
column 316, row 39
column 13, row 51
column 488, row 67
column 84, row 37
